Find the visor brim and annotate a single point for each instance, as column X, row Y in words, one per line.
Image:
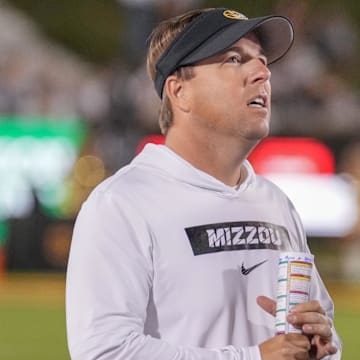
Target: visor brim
column 275, row 34
column 213, row 32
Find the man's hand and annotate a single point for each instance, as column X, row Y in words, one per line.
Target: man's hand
column 311, row 318
column 286, row 347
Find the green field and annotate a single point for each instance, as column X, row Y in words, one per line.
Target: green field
column 32, row 319
column 347, row 324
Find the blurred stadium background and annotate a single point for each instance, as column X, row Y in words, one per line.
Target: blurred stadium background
column 75, row 105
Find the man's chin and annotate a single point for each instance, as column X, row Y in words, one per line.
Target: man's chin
column 258, row 134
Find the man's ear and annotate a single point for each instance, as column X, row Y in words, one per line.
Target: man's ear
column 175, row 89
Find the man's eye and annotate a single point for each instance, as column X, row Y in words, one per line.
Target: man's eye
column 263, row 59
column 236, row 59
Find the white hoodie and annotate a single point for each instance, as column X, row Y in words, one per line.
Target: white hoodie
column 166, row 263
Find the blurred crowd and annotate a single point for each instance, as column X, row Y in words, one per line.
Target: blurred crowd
column 314, row 92
column 312, row 89
column 311, row 95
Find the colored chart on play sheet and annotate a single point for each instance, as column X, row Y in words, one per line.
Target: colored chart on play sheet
column 293, row 287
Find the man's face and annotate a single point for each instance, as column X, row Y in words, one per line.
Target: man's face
column 230, row 92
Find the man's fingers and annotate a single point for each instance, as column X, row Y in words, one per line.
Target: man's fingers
column 286, row 346
column 267, row 304
column 323, row 348
column 308, row 318
column 323, row 331
column 330, row 349
column 312, row 324
column 309, row 306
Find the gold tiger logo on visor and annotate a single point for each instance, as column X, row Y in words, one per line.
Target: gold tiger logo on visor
column 234, row 15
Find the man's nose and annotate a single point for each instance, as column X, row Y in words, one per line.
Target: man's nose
column 259, row 72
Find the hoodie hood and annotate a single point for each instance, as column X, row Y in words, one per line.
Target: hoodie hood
column 163, row 160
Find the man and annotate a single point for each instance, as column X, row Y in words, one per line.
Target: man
column 175, row 256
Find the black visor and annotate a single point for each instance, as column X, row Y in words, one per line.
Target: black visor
column 217, row 29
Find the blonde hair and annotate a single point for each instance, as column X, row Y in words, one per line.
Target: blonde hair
column 160, row 39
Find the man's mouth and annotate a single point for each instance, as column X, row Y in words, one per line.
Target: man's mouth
column 259, row 101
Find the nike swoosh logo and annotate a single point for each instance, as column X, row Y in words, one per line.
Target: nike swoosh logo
column 247, row 271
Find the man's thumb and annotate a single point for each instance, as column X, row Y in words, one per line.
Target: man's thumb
column 267, row 304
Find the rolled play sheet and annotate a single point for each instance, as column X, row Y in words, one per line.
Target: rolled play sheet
column 294, row 277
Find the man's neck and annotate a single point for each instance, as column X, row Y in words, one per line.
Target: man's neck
column 219, row 158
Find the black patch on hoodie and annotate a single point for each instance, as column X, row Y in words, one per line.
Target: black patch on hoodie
column 231, row 236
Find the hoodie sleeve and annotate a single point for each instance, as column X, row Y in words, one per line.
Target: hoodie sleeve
column 109, row 279
column 317, row 290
